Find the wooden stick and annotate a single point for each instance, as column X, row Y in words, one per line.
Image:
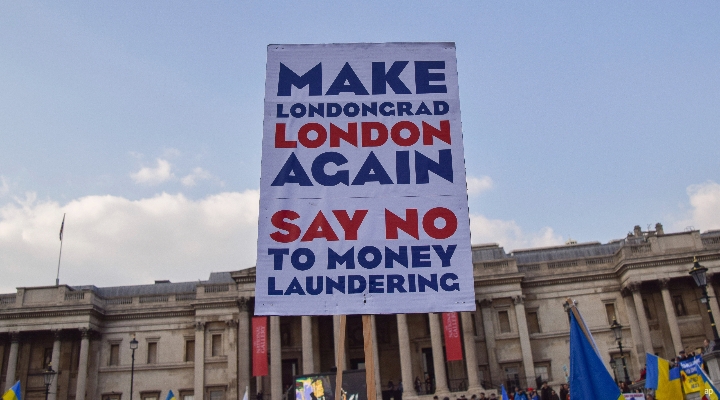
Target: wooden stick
column 369, row 359
column 340, row 359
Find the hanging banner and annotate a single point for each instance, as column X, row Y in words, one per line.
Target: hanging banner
column 259, row 344
column 453, row 344
column 363, row 200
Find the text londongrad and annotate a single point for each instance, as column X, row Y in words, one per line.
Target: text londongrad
column 363, row 205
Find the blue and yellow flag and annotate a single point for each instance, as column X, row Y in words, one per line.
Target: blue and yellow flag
column 170, row 396
column 709, row 392
column 589, row 379
column 503, row 393
column 13, row 393
column 665, row 380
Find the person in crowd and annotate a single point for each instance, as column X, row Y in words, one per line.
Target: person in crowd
column 482, row 396
column 520, row 394
column 624, row 388
column 417, row 385
column 533, row 394
column 399, row 390
column 493, row 396
column 564, row 391
column 545, row 391
column 554, row 395
column 391, row 386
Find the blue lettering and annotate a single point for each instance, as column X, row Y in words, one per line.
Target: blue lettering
column 348, row 259
column 396, row 282
column 331, row 284
column 372, row 263
column 292, row 172
column 401, row 257
column 420, row 256
column 380, row 79
column 424, row 282
column 294, row 288
column 423, row 77
column 455, row 286
column 353, row 84
column 443, row 168
column 318, row 169
column 372, row 171
column 445, row 255
column 356, row 284
column 288, row 78
column 278, row 257
column 314, row 291
column 271, row 288
column 302, row 265
column 376, row 284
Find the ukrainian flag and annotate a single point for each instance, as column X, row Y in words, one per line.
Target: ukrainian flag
column 662, row 378
column 589, row 379
column 13, row 393
column 170, row 396
column 503, row 393
column 709, row 391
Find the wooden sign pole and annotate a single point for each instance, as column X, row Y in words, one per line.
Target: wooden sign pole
column 369, row 357
column 340, row 358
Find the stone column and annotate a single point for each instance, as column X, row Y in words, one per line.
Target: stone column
column 470, row 352
column 713, row 301
column 308, row 364
column 233, row 391
column 83, row 367
column 405, row 357
column 489, row 328
column 12, row 360
column 199, row 387
column 441, row 386
column 243, row 347
column 642, row 318
column 634, row 331
column 671, row 318
column 276, row 389
column 336, row 329
column 55, row 360
column 528, row 364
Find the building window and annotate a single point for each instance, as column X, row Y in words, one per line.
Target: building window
column 216, row 345
column 112, row 396
column 542, row 370
column 190, row 350
column 610, row 311
column 114, row 354
column 504, row 320
column 150, row 395
column 533, row 323
column 152, row 353
column 512, row 376
column 216, row 393
column 187, row 395
column 679, row 304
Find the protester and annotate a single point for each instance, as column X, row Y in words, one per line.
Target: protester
column 564, row 391
column 554, row 395
column 520, row 395
column 545, row 391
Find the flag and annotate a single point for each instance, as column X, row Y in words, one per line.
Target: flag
column 709, row 391
column 504, row 395
column 13, row 393
column 62, row 226
column 662, row 378
column 170, row 396
column 589, row 379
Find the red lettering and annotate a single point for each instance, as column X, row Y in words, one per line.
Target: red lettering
column 439, row 233
column 319, row 229
column 408, row 225
column 350, row 136
column 430, row 131
column 278, row 221
column 280, row 141
column 350, row 225
column 410, row 127
column 367, row 134
column 304, row 138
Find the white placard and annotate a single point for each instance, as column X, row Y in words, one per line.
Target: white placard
column 363, row 200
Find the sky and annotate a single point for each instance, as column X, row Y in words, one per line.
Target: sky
column 142, row 122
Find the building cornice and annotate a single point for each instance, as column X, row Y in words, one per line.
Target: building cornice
column 506, row 280
column 568, row 279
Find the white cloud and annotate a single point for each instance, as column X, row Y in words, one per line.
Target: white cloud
column 111, row 240
column 154, row 176
column 198, row 174
column 478, row 185
column 509, row 234
column 705, row 207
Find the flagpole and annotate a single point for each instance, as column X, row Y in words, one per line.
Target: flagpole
column 62, row 226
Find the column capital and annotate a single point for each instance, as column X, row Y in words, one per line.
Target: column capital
column 518, row 299
column 485, row 303
column 57, row 334
column 199, row 326
column 14, row 337
column 634, row 286
column 664, row 283
column 243, row 304
column 85, row 333
column 232, row 323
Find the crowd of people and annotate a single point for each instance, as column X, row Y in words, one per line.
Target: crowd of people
column 545, row 392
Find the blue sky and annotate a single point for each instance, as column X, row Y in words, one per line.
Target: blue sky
column 142, row 121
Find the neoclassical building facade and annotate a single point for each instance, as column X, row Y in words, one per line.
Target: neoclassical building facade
column 194, row 337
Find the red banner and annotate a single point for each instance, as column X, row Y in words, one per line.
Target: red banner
column 453, row 344
column 259, row 341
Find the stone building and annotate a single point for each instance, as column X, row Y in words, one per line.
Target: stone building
column 194, row 336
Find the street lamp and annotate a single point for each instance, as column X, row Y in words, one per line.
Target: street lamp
column 613, row 365
column 133, row 347
column 699, row 275
column 48, row 376
column 617, row 330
